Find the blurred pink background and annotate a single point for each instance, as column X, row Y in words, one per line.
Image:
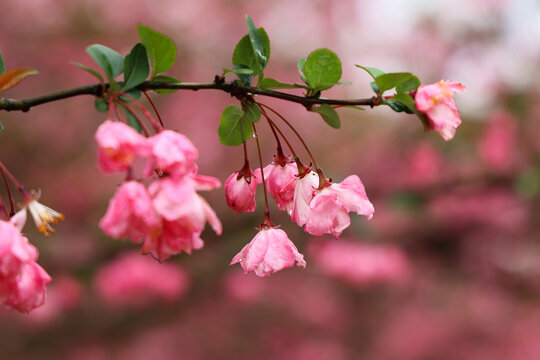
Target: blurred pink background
column 449, row 267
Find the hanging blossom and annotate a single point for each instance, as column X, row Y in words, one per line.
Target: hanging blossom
column 118, row 145
column 436, row 101
column 22, row 280
column 240, row 190
column 270, row 250
column 280, row 181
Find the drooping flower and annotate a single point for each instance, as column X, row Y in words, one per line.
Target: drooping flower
column 329, row 209
column 44, row 217
column 183, row 213
column 304, row 191
column 240, row 190
column 270, row 250
column 280, row 182
column 130, row 213
column 118, row 145
column 436, row 101
column 171, row 153
column 22, row 280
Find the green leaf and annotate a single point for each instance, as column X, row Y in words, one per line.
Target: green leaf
column 258, row 44
column 239, row 70
column 402, row 102
column 101, row 105
column 244, row 54
column 374, row 87
column 89, row 70
column 269, row 83
column 329, row 115
column 2, row 65
column 160, row 49
column 166, row 79
column 234, row 127
column 136, row 68
column 374, row 72
column 322, row 69
column 134, row 93
column 391, row 80
column 107, row 59
column 354, row 107
column 301, row 67
column 252, row 112
column 408, row 85
column 132, row 121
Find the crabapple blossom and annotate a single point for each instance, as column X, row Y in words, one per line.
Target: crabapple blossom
column 280, row 182
column 22, row 280
column 329, row 208
column 437, row 103
column 118, row 144
column 171, row 153
column 44, row 217
column 240, row 190
column 183, row 215
column 304, row 190
column 130, row 214
column 270, row 250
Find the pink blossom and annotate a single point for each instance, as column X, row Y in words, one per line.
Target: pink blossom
column 269, row 251
column 329, row 208
column 280, row 182
column 171, row 153
column 132, row 279
column 240, row 190
column 437, row 103
column 304, row 191
column 498, row 145
column 22, row 280
column 130, row 214
column 118, row 144
column 183, row 215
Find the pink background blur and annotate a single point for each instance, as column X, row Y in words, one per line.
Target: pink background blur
column 449, row 267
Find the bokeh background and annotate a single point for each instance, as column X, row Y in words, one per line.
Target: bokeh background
column 448, row 268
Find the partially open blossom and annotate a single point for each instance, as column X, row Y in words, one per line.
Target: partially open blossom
column 44, row 217
column 118, row 145
column 130, row 214
column 171, row 153
column 280, row 182
column 22, row 280
column 183, row 215
column 269, row 251
column 436, row 101
column 303, row 194
column 240, row 190
column 329, row 209
column 132, row 279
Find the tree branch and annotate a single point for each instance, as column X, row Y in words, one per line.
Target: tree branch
column 234, row 88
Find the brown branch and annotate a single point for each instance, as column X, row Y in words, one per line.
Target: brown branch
column 234, row 88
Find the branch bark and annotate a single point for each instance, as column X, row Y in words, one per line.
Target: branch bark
column 234, row 88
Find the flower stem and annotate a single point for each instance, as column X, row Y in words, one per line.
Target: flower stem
column 146, row 113
column 26, row 195
column 10, row 196
column 266, row 222
column 153, row 107
column 128, row 108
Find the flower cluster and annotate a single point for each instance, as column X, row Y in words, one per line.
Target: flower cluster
column 312, row 202
column 22, row 280
column 168, row 216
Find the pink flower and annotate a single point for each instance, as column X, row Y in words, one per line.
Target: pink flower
column 240, row 190
column 304, row 191
column 437, row 103
column 171, row 153
column 118, row 144
column 280, row 182
column 183, row 215
column 132, row 279
column 269, row 251
column 130, row 214
column 330, row 206
column 22, row 280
